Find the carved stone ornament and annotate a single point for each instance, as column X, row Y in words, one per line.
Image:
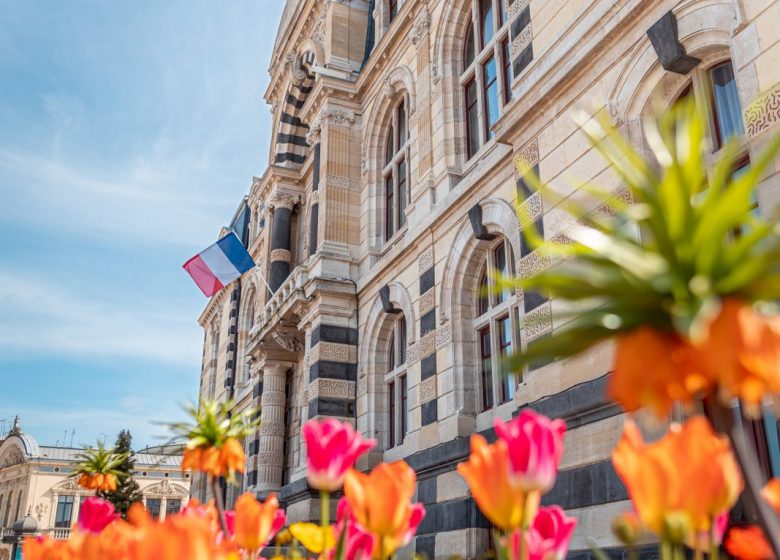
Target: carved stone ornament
column 287, row 338
column 282, row 200
column 40, row 511
column 336, row 117
column 313, row 136
column 13, row 457
column 421, row 27
column 387, row 89
column 297, row 72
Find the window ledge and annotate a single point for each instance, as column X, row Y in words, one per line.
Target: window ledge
column 397, row 236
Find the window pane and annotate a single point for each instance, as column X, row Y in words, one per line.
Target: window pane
column 499, row 262
column 472, row 119
column 491, row 95
column 153, row 507
column 402, row 132
column 468, row 49
column 486, row 21
column 64, row 512
column 389, row 148
column 507, row 62
column 391, row 414
column 505, row 349
column 172, row 506
column 482, row 295
column 392, row 9
column 501, row 12
column 389, row 229
column 401, row 193
column 728, row 113
column 391, row 353
column 402, row 341
column 487, row 369
column 404, row 408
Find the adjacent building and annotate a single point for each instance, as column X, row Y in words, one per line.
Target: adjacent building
column 37, row 480
column 391, row 189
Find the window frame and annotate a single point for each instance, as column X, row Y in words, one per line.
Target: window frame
column 496, row 48
column 62, row 499
column 496, row 389
column 395, row 202
column 397, row 383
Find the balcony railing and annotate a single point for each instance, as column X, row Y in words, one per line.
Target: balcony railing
column 283, row 299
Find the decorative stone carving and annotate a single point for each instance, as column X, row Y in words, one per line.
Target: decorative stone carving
column 337, row 117
column 282, row 255
column 427, row 301
column 413, row 353
column 13, row 457
column 521, row 41
column 515, row 8
column 287, row 338
column 333, row 352
column 269, row 458
column 272, row 398
column 526, row 158
column 428, row 389
column 40, row 511
column 387, row 89
column 428, row 344
column 342, row 182
column 443, row 335
column 763, row 113
column 421, row 27
column 426, row 260
column 297, row 71
column 530, row 209
column 282, row 200
column 331, row 388
column 272, row 429
column 533, row 263
column 538, row 321
column 313, row 136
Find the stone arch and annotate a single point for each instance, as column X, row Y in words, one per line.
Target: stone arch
column 316, row 53
column 247, row 320
column 12, row 452
column 375, row 338
column 458, row 292
column 704, row 29
column 399, row 83
column 291, row 146
column 447, row 61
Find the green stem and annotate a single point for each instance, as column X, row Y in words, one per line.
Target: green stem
column 665, row 549
column 324, row 508
column 220, row 504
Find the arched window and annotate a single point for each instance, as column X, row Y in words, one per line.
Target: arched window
column 392, row 10
column 397, row 384
column 213, row 363
column 496, row 325
column 7, row 509
column 248, row 322
column 395, row 172
column 486, row 77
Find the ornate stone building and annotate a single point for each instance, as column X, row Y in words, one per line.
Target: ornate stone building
column 36, row 480
column 390, row 190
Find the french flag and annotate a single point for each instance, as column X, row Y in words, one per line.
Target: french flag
column 217, row 266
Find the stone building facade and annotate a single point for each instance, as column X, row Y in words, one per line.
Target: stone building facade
column 37, row 480
column 390, row 190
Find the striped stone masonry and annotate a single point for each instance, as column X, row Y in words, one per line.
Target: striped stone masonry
column 521, row 36
column 332, row 359
column 291, row 142
column 427, row 344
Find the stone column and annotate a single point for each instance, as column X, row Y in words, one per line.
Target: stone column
column 270, row 456
column 281, row 234
column 313, row 138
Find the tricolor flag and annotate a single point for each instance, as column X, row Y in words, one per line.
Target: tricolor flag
column 216, row 267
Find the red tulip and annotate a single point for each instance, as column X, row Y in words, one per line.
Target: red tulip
column 548, row 537
column 332, row 447
column 535, row 445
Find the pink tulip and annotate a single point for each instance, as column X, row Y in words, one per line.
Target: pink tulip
column 332, row 448
column 548, row 537
column 535, row 447
column 418, row 513
column 95, row 515
column 358, row 543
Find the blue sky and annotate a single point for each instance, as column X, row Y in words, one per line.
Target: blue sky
column 129, row 132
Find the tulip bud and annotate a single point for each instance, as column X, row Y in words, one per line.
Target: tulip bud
column 676, row 527
column 626, row 528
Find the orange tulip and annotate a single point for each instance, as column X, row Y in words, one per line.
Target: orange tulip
column 381, row 503
column 256, row 523
column 748, row 543
column 487, row 474
column 741, row 353
column 177, row 537
column 690, row 476
column 771, row 493
column 45, row 548
column 231, row 457
column 638, row 382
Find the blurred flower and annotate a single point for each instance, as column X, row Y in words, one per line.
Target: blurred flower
column 627, row 527
column 548, row 537
column 358, row 543
column 313, row 537
column 256, row 523
column 101, row 482
column 535, row 447
column 771, row 493
column 487, row 474
column 748, row 543
column 332, row 447
column 740, row 351
column 681, row 482
column 381, row 503
column 671, row 379
column 95, row 514
column 96, row 468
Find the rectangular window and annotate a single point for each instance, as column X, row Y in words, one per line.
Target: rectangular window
column 472, row 118
column 507, row 69
column 404, row 407
column 728, row 112
column 172, row 506
column 389, row 229
column 391, row 414
column 391, row 354
column 62, row 519
column 499, row 261
column 402, row 341
column 487, row 368
column 501, row 12
column 403, row 134
column 153, row 506
column 504, row 351
column 490, row 85
column 401, row 193
column 486, row 17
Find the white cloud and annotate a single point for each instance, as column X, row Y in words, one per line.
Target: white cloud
column 40, row 317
